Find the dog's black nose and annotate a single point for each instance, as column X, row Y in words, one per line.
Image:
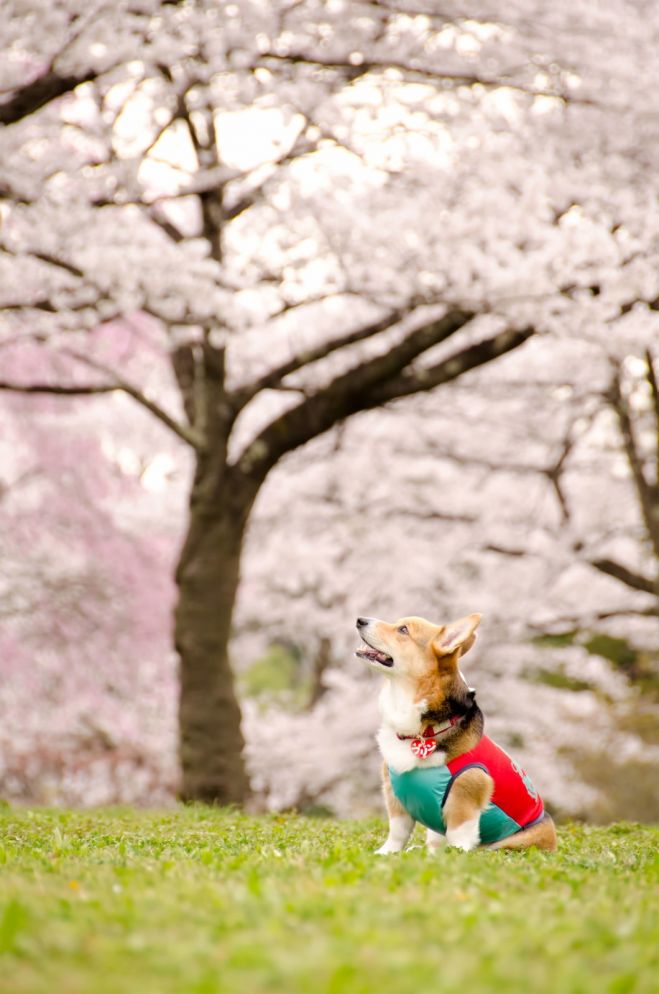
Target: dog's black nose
column 362, row 622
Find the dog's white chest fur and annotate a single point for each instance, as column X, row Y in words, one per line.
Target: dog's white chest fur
column 401, row 715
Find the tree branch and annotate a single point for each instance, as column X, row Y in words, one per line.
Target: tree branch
column 33, row 96
column 643, row 487
column 183, row 432
column 571, row 623
column 62, row 391
column 53, row 260
column 91, row 389
column 654, row 393
column 184, row 367
column 427, row 377
column 168, row 227
column 373, row 384
column 425, row 72
column 212, row 176
column 347, row 394
column 273, row 379
column 299, row 147
column 619, row 572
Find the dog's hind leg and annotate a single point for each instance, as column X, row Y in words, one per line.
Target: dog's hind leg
column 542, row 835
column 401, row 823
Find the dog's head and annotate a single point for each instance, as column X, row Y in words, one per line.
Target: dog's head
column 415, row 651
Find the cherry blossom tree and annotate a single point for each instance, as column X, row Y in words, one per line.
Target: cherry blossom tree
column 428, row 513
column 314, row 210
column 639, row 432
column 85, row 600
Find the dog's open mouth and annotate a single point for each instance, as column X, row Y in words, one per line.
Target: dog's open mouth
column 373, row 655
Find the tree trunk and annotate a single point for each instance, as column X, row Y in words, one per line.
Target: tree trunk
column 211, row 740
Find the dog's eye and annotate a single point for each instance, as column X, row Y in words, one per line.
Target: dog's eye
column 403, row 630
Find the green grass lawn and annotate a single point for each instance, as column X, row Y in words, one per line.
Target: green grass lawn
column 205, row 901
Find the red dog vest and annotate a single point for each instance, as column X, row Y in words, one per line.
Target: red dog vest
column 515, row 803
column 514, row 792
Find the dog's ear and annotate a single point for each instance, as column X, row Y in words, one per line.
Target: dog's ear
column 468, row 644
column 458, row 635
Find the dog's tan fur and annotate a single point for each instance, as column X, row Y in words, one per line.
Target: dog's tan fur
column 394, row 808
column 542, row 835
column 470, row 795
column 427, row 662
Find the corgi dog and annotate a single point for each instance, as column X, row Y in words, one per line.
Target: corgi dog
column 439, row 768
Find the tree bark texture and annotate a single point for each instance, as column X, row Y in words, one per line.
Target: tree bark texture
column 211, row 741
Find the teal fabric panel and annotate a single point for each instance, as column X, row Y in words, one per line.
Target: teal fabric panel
column 422, row 793
column 495, row 824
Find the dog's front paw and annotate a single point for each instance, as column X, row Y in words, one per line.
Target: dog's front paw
column 387, row 848
column 466, row 836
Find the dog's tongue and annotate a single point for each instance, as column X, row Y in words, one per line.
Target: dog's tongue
column 368, row 652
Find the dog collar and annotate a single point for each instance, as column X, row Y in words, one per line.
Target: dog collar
column 424, row 745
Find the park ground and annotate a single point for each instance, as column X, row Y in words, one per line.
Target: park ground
column 203, row 901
